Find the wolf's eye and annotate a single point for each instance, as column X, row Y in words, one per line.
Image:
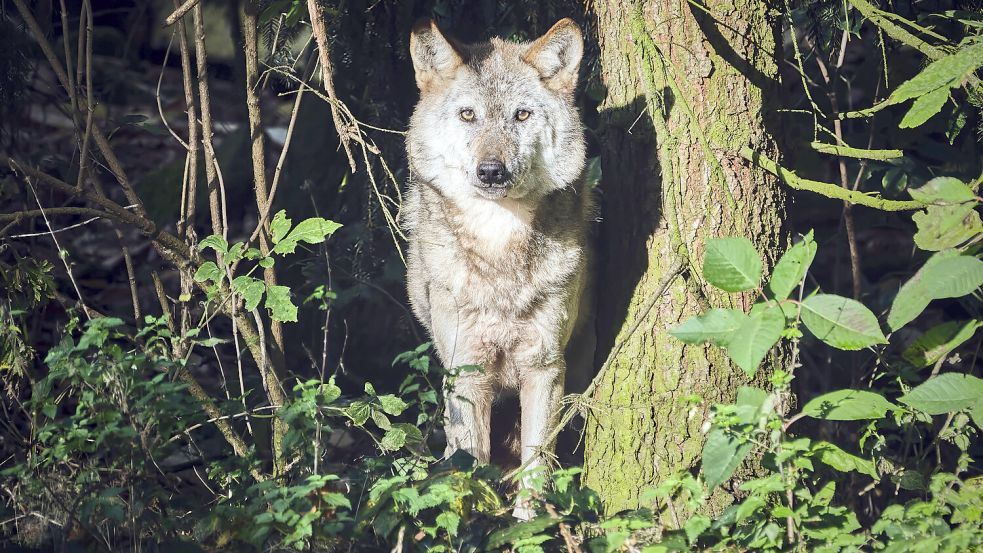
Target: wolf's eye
column 467, row 115
column 522, row 114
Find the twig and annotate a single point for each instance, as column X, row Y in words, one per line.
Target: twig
column 101, row 141
column 216, row 197
column 61, row 252
column 832, row 191
column 250, row 39
column 179, row 12
column 324, row 58
column 851, row 233
column 572, row 546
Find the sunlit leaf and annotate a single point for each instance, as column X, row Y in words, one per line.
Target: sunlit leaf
column 715, row 326
column 731, row 264
column 945, row 393
column 752, row 341
column 848, row 405
column 841, row 322
column 792, row 267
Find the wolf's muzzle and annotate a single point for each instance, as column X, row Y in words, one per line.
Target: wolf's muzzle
column 493, row 173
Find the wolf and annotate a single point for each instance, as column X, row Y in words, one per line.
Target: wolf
column 496, row 215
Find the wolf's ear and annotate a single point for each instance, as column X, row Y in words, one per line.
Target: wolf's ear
column 434, row 57
column 556, row 55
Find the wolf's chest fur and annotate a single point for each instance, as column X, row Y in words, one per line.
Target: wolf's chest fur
column 499, row 276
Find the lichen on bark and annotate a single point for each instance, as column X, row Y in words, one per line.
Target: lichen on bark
column 688, row 86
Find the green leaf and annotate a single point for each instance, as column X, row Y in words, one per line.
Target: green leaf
column 731, row 264
column 943, row 227
column 696, row 525
column 208, row 272
column 841, row 322
column 449, row 521
column 312, row 231
column 915, row 295
column 792, row 267
column 251, row 290
column 954, row 277
column 722, row 454
column 924, row 108
column 279, row 304
column 943, row 191
column 715, row 326
column 329, row 392
column 279, row 226
column 938, row 342
column 394, row 439
column 848, row 405
column 752, row 341
column 976, row 413
column 215, row 242
column 842, row 461
column 515, row 532
column 392, row 404
column 946, row 72
column 945, row 393
column 359, row 412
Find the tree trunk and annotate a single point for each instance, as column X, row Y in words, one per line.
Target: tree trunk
column 686, row 89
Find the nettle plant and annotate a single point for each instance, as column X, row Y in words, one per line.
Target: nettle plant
column 792, row 505
column 285, row 238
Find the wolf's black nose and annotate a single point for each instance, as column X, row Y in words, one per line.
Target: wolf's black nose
column 492, row 172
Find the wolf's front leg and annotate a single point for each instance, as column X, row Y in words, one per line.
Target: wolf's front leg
column 467, row 421
column 540, row 395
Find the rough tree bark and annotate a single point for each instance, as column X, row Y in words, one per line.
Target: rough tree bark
column 688, row 85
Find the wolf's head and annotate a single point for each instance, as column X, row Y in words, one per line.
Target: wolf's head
column 496, row 119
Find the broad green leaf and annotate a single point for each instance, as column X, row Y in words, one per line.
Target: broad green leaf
column 281, row 307
column 848, row 405
column 751, row 403
column 329, row 392
column 392, row 404
column 394, row 439
column 915, row 295
column 792, row 267
column 215, row 242
column 945, row 393
column 208, row 272
column 924, row 108
column 715, row 326
column 943, row 191
column 359, row 412
column 279, row 226
column 752, row 341
column 976, row 413
column 696, row 525
column 841, row 322
column 938, row 342
column 943, row 227
column 842, row 461
column 518, row 531
column 945, row 72
column 731, row 264
column 251, row 289
column 312, row 231
column 722, row 454
column 449, row 521
column 954, row 277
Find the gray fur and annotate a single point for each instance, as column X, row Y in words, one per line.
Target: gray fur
column 496, row 274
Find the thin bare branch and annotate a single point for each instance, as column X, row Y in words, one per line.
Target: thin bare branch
column 324, row 58
column 180, row 12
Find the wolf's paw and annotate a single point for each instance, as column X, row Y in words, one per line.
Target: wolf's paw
column 523, row 511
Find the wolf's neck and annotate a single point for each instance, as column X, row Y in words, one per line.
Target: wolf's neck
column 494, row 226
